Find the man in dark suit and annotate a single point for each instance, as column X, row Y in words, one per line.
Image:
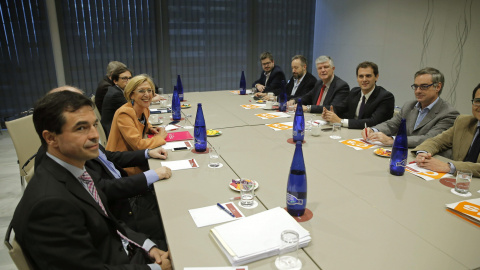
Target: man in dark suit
column 63, row 220
column 271, row 77
column 103, row 85
column 367, row 104
column 130, row 197
column 427, row 116
column 329, row 90
column 301, row 81
column 114, row 98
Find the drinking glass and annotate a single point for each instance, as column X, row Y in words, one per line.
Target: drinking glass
column 247, row 193
column 316, row 129
column 187, row 123
column 214, row 157
column 462, row 184
column 309, row 122
column 336, row 127
column 291, row 108
column 288, row 253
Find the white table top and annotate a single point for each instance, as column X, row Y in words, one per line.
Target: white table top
column 364, row 218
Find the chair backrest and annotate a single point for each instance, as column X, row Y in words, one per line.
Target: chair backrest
column 29, row 174
column 101, row 131
column 16, row 252
column 25, row 140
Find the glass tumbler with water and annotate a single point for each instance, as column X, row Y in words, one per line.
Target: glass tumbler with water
column 462, row 184
column 288, row 252
column 214, row 157
column 247, row 193
column 336, row 127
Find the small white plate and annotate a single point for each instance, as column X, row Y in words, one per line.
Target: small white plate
column 234, row 188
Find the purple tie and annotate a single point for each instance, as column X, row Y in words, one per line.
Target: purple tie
column 87, row 179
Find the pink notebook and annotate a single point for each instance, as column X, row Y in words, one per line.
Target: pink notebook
column 178, row 136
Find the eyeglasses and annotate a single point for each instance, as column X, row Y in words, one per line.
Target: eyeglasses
column 421, row 86
column 126, row 78
column 266, row 64
column 476, row 102
column 149, row 91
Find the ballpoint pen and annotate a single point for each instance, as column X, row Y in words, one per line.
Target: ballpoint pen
column 366, row 133
column 224, row 209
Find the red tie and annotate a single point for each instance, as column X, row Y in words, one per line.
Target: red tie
column 321, row 94
column 87, row 179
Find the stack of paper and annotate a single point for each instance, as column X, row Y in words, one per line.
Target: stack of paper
column 281, row 126
column 359, row 144
column 273, row 115
column 256, row 237
column 468, row 210
column 425, row 174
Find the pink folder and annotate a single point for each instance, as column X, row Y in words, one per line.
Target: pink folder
column 178, row 136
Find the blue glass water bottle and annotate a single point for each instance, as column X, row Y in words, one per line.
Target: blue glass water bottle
column 398, row 159
column 297, row 184
column 299, row 123
column 243, row 84
column 176, row 110
column 282, row 98
column 200, row 131
column 180, row 88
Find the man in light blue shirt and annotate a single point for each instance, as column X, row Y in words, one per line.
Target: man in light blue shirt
column 63, row 220
column 427, row 116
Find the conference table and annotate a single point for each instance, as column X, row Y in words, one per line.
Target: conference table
column 363, row 217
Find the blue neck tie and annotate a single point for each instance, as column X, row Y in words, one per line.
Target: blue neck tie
column 474, row 150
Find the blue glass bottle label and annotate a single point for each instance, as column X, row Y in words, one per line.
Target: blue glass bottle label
column 292, row 200
column 401, row 163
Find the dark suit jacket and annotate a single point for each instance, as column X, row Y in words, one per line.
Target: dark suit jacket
column 130, row 198
column 337, row 95
column 274, row 83
column 378, row 108
column 305, row 86
column 139, row 213
column 440, row 118
column 101, row 91
column 113, row 100
column 60, row 226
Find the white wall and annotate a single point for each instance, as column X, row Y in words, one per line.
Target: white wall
column 391, row 34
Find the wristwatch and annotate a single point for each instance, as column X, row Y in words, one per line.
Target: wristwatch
column 309, row 108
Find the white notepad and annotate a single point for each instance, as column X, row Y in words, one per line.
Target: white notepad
column 262, row 241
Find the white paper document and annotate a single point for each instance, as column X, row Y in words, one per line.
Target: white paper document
column 425, row 174
column 212, row 215
column 272, row 115
column 181, row 164
column 263, row 241
column 171, row 145
column 280, row 126
column 159, row 110
column 172, row 127
column 468, row 210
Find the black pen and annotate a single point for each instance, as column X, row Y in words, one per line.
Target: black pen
column 224, row 209
column 179, row 148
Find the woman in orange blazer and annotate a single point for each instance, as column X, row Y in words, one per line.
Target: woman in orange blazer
column 130, row 123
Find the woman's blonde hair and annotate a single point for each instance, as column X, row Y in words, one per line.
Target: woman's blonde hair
column 134, row 82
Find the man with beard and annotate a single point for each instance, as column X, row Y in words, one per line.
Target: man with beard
column 271, row 78
column 302, row 81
